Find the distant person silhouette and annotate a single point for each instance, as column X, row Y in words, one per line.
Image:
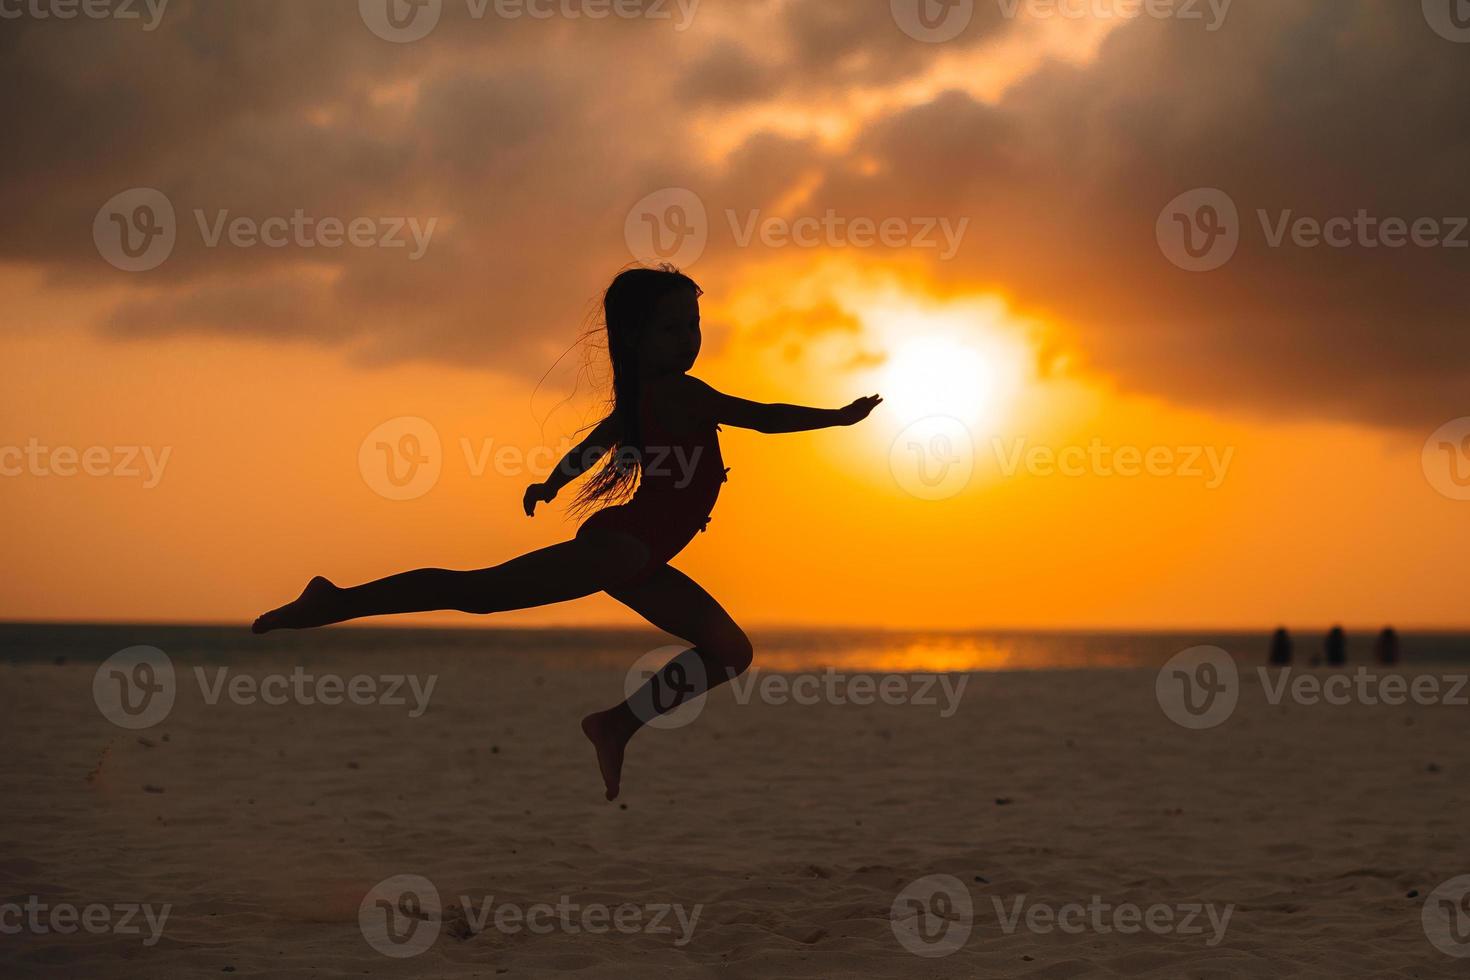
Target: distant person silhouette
column 1280, row 647
column 1336, row 647
column 660, row 437
column 1387, row 647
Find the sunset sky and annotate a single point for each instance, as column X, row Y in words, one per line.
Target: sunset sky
column 1287, row 399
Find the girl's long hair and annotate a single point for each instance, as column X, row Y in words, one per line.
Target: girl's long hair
column 626, row 306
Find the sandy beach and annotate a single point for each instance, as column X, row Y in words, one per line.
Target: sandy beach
column 763, row 839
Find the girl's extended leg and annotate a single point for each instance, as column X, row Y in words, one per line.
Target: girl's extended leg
column 676, row 604
column 561, row 572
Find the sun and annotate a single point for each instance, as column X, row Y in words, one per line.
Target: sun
column 938, row 376
column 956, row 361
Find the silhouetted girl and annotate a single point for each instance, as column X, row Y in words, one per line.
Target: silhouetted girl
column 659, row 436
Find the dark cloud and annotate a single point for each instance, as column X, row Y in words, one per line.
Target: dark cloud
column 1320, row 108
column 842, row 44
column 728, row 74
column 528, row 141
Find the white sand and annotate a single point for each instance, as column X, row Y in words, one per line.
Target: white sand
column 793, row 828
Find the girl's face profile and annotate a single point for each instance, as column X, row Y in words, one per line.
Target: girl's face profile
column 670, row 340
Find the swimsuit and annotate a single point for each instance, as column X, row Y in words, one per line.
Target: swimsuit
column 679, row 481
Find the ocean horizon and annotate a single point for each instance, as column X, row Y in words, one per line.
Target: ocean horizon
column 777, row 648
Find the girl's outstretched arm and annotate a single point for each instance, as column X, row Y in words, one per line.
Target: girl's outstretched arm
column 705, row 402
column 578, row 460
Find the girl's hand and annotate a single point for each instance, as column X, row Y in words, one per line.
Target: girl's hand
column 537, row 493
column 860, row 409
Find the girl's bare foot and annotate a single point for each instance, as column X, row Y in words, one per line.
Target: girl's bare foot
column 609, row 735
column 311, row 608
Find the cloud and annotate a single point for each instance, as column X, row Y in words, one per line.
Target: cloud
column 528, row 140
column 1320, row 109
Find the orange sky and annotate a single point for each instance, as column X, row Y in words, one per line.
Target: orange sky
column 1058, row 328
column 262, row 488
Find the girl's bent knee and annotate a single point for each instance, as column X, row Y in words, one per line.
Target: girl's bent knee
column 737, row 654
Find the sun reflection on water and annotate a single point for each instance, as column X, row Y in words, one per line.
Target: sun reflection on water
column 940, row 652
